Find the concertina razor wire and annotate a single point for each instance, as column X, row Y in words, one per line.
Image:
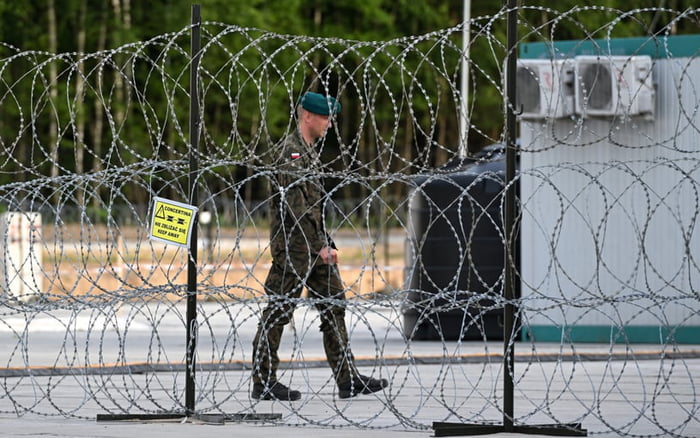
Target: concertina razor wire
column 607, row 247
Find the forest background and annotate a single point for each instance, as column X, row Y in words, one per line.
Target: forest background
column 80, row 139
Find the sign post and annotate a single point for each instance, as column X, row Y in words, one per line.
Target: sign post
column 176, row 223
column 195, row 44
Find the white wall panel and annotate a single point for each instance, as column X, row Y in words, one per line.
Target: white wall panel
column 610, row 220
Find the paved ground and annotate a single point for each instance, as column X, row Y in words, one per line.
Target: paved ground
column 641, row 390
column 84, row 429
column 648, row 399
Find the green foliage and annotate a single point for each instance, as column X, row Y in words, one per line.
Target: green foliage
column 134, row 105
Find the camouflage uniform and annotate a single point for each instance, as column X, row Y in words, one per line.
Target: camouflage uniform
column 297, row 234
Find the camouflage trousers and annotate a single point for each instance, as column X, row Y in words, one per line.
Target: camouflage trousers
column 283, row 286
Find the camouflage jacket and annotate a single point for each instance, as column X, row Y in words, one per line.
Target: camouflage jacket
column 297, row 198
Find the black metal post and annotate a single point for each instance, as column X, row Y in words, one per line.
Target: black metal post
column 195, row 43
column 509, row 220
column 191, row 345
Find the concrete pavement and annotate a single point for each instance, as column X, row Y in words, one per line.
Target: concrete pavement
column 609, row 398
column 640, row 390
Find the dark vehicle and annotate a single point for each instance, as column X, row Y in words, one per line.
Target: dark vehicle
column 455, row 252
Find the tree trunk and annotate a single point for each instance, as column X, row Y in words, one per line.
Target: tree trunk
column 79, row 102
column 248, row 196
column 98, row 121
column 53, row 94
column 118, row 79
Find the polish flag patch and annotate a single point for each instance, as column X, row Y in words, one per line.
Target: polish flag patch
column 295, row 155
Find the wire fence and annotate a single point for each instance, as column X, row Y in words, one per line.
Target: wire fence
column 607, row 238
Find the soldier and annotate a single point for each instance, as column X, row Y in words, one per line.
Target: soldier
column 304, row 255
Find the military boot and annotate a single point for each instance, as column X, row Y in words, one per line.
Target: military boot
column 361, row 385
column 274, row 391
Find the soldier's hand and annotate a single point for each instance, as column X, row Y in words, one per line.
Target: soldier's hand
column 328, row 255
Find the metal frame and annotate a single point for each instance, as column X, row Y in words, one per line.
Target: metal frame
column 190, row 414
column 509, row 223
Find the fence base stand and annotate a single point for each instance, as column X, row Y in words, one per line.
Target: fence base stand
column 461, row 429
column 193, row 418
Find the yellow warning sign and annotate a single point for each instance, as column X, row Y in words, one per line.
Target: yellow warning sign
column 172, row 221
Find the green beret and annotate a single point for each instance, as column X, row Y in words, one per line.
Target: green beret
column 319, row 104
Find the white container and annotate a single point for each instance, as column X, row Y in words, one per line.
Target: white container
column 21, row 273
column 611, row 222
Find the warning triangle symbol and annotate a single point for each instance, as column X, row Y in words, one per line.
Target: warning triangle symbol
column 160, row 213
